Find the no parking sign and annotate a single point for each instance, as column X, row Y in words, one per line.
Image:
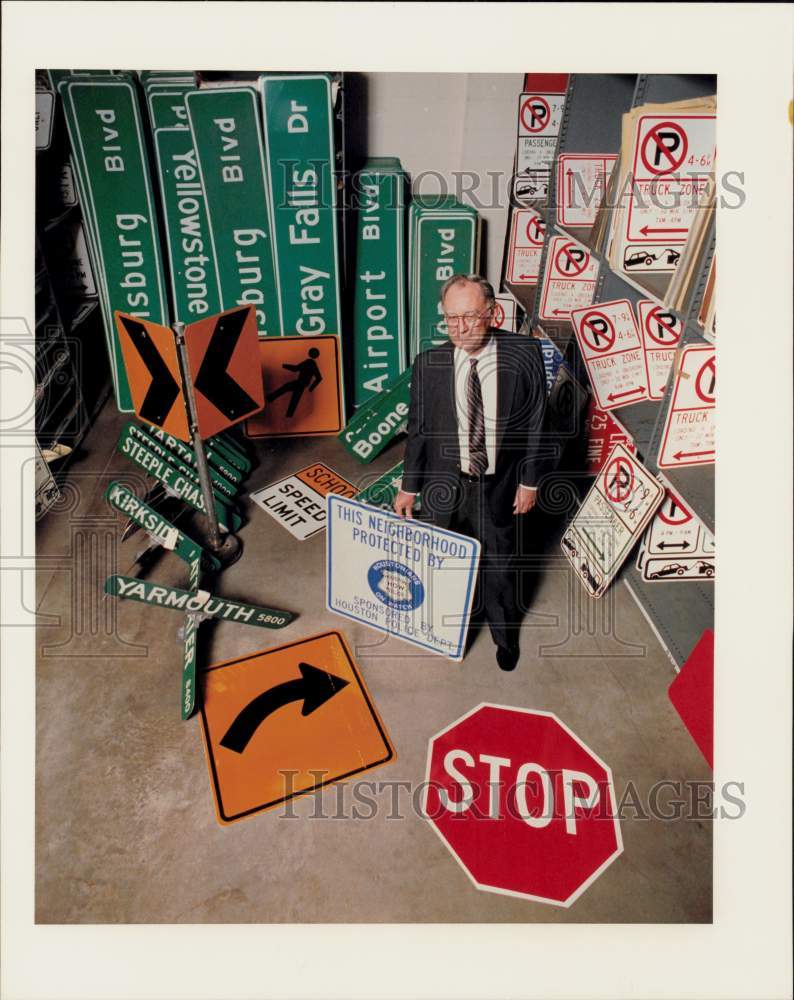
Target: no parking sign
column 612, row 351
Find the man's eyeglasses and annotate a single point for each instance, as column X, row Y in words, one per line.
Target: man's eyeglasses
column 469, row 318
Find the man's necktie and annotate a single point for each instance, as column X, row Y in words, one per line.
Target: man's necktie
column 478, row 456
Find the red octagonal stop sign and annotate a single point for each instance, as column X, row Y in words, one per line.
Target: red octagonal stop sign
column 525, row 807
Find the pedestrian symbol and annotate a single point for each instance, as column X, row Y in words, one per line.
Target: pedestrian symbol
column 308, row 377
column 302, row 380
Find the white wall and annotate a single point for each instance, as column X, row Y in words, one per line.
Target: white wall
column 442, row 123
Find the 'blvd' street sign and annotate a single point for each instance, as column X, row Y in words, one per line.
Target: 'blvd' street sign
column 195, row 602
column 299, row 149
column 224, row 123
column 112, row 173
column 379, row 327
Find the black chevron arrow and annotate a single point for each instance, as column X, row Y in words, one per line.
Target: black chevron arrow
column 213, row 380
column 164, row 389
column 314, row 687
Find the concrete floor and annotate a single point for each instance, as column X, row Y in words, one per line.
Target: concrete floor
column 125, row 823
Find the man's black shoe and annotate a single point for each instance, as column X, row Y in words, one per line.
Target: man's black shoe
column 507, row 657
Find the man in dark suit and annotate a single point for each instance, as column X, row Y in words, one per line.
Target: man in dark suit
column 474, row 429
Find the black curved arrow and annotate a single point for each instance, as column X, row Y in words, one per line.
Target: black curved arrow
column 213, row 380
column 163, row 391
column 313, row 688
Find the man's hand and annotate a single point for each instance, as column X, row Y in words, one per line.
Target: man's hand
column 404, row 504
column 525, row 499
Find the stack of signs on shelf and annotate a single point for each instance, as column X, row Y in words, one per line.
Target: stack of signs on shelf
column 526, row 235
column 165, row 97
column 379, row 325
column 666, row 170
column 299, row 150
column 297, row 502
column 677, row 545
column 378, row 422
column 568, row 283
column 604, row 431
column 227, row 140
column 383, row 491
column 688, row 435
column 612, row 351
column 112, row 176
column 582, row 181
column 612, row 517
column 443, row 240
column 540, row 110
column 408, row 579
column 505, row 316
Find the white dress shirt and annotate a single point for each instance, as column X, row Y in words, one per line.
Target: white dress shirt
column 486, row 369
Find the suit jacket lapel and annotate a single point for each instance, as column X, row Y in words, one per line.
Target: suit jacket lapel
column 447, row 416
column 505, row 390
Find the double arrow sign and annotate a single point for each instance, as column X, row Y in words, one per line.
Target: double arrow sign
column 224, row 367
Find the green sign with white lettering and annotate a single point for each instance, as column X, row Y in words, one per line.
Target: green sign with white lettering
column 182, row 486
column 195, row 602
column 160, row 528
column 224, row 491
column 167, row 105
column 186, row 454
column 107, row 141
column 224, row 123
column 379, row 328
column 378, row 422
column 299, row 148
column 194, row 273
column 443, row 240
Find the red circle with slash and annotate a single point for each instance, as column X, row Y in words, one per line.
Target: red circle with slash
column 622, row 487
column 539, row 229
column 529, row 105
column 498, row 315
column 576, row 267
column 669, row 159
column 707, row 395
column 655, row 317
column 605, row 329
column 683, row 516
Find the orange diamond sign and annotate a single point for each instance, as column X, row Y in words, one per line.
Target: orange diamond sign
column 287, row 721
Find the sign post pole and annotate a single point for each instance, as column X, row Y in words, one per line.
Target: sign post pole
column 230, row 548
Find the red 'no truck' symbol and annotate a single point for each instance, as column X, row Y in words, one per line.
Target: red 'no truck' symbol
column 619, row 480
column 535, row 114
column 664, row 148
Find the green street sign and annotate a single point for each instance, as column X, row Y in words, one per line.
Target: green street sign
column 195, row 602
column 189, row 651
column 378, row 422
column 194, row 271
column 299, row 149
column 160, row 528
column 443, row 240
column 379, row 327
column 186, row 454
column 105, row 129
column 383, row 491
column 223, row 490
column 182, row 486
column 228, row 448
column 167, row 105
column 224, row 123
